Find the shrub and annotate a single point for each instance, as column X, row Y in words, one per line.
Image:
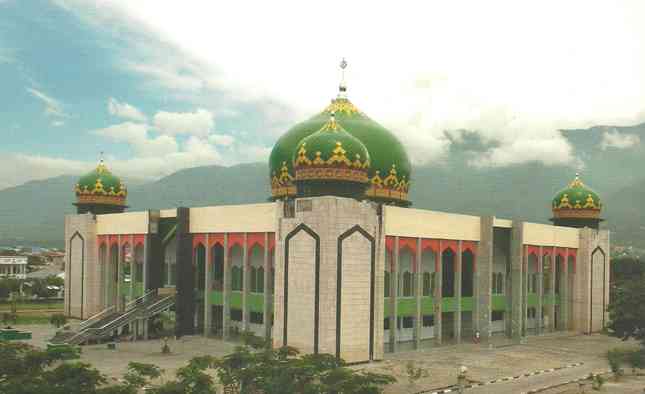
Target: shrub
column 58, row 320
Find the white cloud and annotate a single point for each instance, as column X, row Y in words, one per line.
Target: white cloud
column 199, row 123
column 58, row 123
column 53, row 107
column 125, row 110
column 615, row 139
column 553, row 151
column 435, row 68
column 16, row 169
column 221, row 139
column 136, row 134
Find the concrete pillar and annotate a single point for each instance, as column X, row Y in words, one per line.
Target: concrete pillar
column 551, row 326
column 268, row 298
column 226, row 292
column 132, row 267
column 540, row 293
column 246, row 284
column 418, row 275
column 564, row 293
column 484, row 277
column 516, row 257
column 208, row 284
column 525, row 289
column 120, row 305
column 394, row 290
column 438, row 296
column 458, row 272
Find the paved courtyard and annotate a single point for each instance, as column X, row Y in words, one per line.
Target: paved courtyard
column 484, row 363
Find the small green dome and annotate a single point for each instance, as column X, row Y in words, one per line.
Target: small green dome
column 331, row 154
column 576, row 201
column 390, row 169
column 100, row 186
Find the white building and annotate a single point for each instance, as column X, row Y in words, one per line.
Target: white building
column 13, row 267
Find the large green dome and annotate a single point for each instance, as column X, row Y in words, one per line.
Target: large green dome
column 331, row 162
column 576, row 201
column 100, row 186
column 390, row 168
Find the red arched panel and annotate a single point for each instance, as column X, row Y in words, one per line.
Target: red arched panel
column 410, row 243
column 432, row 244
column 139, row 239
column 562, row 252
column 235, row 239
column 199, row 239
column 389, row 243
column 253, row 239
column 215, row 238
column 449, row 244
column 547, row 251
column 102, row 240
column 533, row 250
column 113, row 240
column 469, row 245
column 472, row 247
column 573, row 253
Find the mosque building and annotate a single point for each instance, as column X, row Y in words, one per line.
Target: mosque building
column 338, row 261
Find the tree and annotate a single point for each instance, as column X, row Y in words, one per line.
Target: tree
column 276, row 371
column 26, row 369
column 625, row 269
column 627, row 310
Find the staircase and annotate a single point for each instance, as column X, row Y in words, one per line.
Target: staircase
column 104, row 323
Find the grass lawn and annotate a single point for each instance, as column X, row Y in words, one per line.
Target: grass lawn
column 32, row 305
column 29, row 319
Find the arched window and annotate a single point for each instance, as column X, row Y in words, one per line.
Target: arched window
column 467, row 273
column 386, row 284
column 427, row 284
column 500, row 283
column 448, row 274
column 546, row 274
column 428, row 258
column 217, row 263
column 407, row 284
column 493, row 283
column 259, row 288
column 237, row 272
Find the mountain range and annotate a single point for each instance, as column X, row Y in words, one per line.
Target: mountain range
column 33, row 213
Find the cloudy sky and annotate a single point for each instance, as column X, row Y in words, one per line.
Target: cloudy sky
column 164, row 85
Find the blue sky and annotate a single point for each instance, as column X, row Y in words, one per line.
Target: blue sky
column 161, row 86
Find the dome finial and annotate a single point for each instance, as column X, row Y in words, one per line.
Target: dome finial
column 342, row 88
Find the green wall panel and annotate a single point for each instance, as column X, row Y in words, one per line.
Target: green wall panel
column 532, row 300
column 406, row 307
column 236, row 299
column 256, row 302
column 217, row 298
column 498, row 303
column 427, row 306
column 386, row 307
column 449, row 304
column 467, row 304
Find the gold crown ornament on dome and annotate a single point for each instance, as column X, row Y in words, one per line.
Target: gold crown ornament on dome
column 100, row 186
column 325, row 155
column 577, row 201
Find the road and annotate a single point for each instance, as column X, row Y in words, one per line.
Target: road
column 523, row 385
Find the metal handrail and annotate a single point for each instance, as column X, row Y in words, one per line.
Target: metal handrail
column 93, row 319
column 160, row 301
column 140, row 299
